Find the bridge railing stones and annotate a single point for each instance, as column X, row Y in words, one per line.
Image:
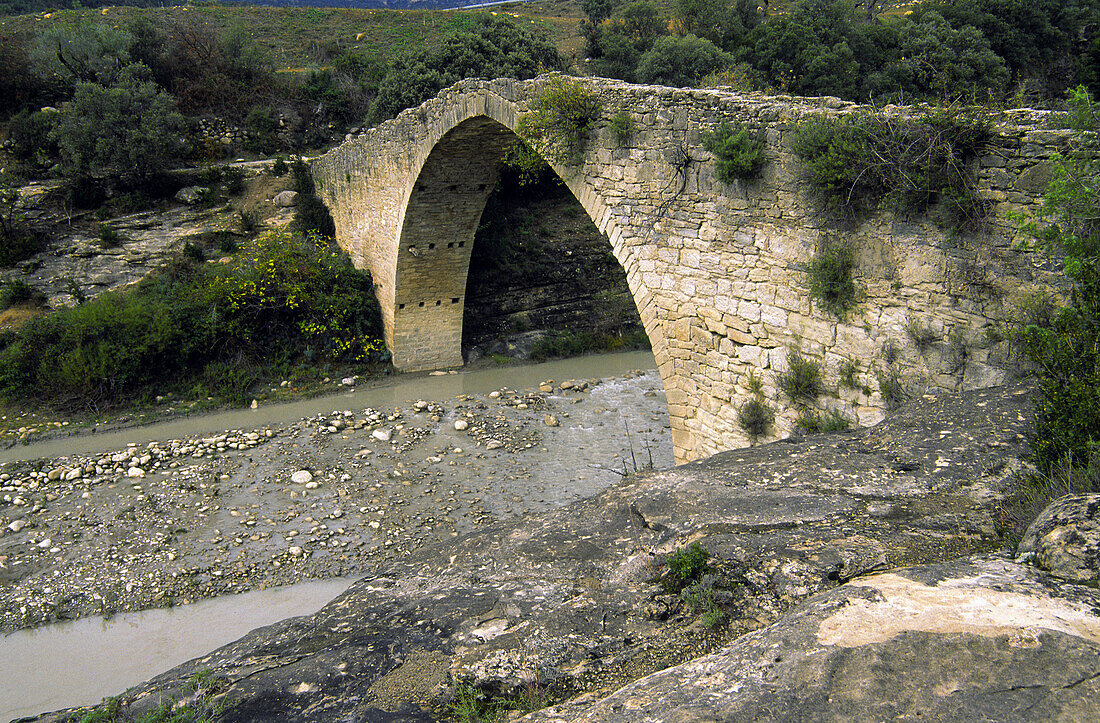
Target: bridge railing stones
column 717, row 270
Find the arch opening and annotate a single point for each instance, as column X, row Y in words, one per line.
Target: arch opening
column 543, row 281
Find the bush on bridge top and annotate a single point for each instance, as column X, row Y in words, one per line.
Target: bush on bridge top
column 561, row 118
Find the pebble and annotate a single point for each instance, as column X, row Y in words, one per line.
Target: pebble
column 301, row 477
column 17, row 525
column 382, row 435
column 461, row 424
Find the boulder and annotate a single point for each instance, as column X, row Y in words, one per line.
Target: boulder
column 286, row 199
column 1065, row 538
column 191, row 195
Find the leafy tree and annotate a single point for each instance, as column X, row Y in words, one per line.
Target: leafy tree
column 719, row 21
column 681, row 61
column 216, row 73
column 1067, row 354
column 617, row 46
column 82, row 52
column 811, row 50
column 494, row 47
column 597, row 10
column 1036, row 39
column 20, row 88
column 939, row 60
column 122, row 134
column 560, row 120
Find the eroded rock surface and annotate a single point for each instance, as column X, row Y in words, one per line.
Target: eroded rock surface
column 982, row 638
column 1065, row 538
column 565, row 602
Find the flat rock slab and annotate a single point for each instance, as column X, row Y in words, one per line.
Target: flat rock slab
column 980, row 639
column 567, row 601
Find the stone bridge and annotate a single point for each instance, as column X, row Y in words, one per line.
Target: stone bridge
column 718, row 271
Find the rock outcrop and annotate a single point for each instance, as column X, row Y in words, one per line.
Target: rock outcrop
column 567, row 606
column 1065, row 538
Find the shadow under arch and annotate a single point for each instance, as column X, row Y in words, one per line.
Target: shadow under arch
column 435, row 243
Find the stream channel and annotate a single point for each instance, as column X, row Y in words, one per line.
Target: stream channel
column 80, row 662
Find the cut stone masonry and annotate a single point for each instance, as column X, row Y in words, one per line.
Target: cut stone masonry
column 717, row 270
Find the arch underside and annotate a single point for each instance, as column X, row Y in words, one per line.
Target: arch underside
column 436, row 242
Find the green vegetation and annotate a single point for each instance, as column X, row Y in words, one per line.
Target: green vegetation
column 15, row 291
column 563, row 344
column 207, row 329
column 1066, row 353
column 739, row 155
column 685, row 566
column 944, row 50
column 622, row 127
column 755, row 418
column 560, row 120
column 862, row 159
column 830, row 274
column 110, row 711
column 811, row 421
column 17, row 240
column 802, row 381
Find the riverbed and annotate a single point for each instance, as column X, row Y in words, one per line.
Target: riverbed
column 325, row 488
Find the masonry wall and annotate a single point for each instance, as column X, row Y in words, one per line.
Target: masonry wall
column 717, row 270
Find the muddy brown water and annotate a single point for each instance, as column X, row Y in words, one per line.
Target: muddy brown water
column 73, row 663
column 396, row 391
column 80, row 662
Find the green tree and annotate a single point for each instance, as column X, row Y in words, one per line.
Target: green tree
column 122, row 135
column 82, row 52
column 1067, row 354
column 493, row 47
column 681, row 61
column 939, row 60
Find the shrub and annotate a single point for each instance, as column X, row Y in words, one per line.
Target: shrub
column 755, row 418
column 739, row 155
column 681, row 61
column 802, row 381
column 14, row 291
column 17, row 240
column 31, row 136
column 849, row 370
column 891, row 388
column 122, row 135
column 622, row 127
column 283, row 296
column 833, row 421
column 859, row 160
column 685, row 566
column 560, row 120
column 261, row 129
column 109, row 237
column 279, row 167
column 831, row 282
column 1067, row 352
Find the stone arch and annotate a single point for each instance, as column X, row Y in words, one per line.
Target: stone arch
column 441, row 214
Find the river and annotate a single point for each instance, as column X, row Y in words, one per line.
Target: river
column 619, row 423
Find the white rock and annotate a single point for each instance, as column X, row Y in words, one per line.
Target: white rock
column 301, row 477
column 551, row 421
column 17, row 525
column 74, row 473
column 382, row 435
column 348, row 381
column 255, row 405
column 286, row 199
column 136, row 472
column 296, row 551
column 461, row 424
column 494, row 444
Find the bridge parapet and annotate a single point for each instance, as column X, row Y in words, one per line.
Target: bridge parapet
column 717, row 270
